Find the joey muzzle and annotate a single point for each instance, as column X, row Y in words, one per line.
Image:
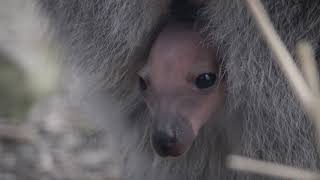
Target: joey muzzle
column 171, row 135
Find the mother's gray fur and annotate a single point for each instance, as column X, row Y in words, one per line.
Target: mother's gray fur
column 108, row 39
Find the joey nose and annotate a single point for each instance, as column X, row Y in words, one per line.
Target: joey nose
column 171, row 137
column 166, row 144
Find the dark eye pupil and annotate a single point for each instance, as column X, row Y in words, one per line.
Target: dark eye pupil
column 205, row 80
column 142, row 84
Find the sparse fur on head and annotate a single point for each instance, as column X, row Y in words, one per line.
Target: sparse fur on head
column 109, row 40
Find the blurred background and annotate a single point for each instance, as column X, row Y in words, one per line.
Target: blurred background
column 42, row 134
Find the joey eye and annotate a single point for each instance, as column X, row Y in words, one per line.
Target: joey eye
column 142, row 84
column 205, row 80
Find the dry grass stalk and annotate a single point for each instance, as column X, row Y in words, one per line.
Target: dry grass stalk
column 311, row 74
column 309, row 66
column 306, row 88
column 270, row 169
column 283, row 57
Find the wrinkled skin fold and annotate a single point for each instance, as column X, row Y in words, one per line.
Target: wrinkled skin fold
column 109, row 40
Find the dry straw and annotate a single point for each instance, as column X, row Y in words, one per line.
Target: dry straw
column 305, row 85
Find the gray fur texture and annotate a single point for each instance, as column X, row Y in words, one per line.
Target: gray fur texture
column 108, row 40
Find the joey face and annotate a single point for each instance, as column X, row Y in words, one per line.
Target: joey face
column 181, row 88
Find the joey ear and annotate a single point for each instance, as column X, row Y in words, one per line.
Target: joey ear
column 142, row 84
column 143, row 75
column 144, row 71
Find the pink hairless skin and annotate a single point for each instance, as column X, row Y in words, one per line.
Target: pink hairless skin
column 179, row 84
